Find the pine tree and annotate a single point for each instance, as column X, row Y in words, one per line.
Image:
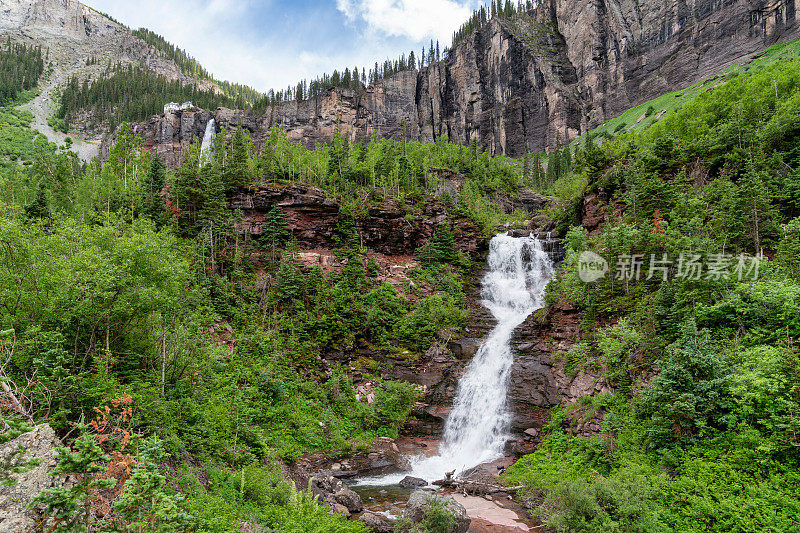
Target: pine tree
column 538, row 172
column 153, row 205
column 274, row 231
column 144, row 503
column 38, row 208
column 289, row 281
column 566, row 160
column 756, row 206
column 440, row 248
column 236, row 171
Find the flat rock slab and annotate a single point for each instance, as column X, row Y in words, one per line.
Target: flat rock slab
column 487, row 516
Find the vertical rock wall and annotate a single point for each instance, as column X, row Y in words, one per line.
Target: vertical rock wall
column 524, row 85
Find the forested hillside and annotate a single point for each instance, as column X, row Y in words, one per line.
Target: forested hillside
column 134, row 314
column 129, row 93
column 20, row 68
column 701, row 433
column 242, row 95
column 188, row 351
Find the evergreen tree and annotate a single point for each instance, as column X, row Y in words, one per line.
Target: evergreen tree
column 38, row 208
column 236, row 171
column 144, row 503
column 274, row 231
column 440, row 248
column 537, row 171
column 691, row 393
column 553, row 166
column 153, row 206
column 566, row 161
column 289, row 281
column 755, row 203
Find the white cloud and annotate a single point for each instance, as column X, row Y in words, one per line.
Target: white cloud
column 417, row 20
column 248, row 41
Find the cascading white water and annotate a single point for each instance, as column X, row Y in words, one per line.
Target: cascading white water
column 477, row 428
column 208, row 138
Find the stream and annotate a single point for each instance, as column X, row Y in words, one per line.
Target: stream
column 517, row 272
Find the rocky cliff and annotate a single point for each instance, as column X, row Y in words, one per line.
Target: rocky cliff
column 524, row 84
column 73, row 33
column 29, row 461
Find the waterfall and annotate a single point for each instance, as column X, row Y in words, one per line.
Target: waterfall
column 477, row 428
column 208, row 138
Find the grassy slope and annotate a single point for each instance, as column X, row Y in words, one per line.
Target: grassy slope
column 637, row 119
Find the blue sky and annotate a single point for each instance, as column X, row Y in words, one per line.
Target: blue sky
column 275, row 43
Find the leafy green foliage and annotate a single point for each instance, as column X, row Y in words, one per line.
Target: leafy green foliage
column 691, row 393
column 437, row 518
column 701, row 433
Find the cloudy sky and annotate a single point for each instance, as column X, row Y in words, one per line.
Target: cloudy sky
column 274, row 43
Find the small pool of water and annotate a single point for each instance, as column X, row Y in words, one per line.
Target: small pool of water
column 383, row 498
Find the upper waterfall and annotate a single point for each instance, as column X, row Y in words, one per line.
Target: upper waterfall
column 208, row 138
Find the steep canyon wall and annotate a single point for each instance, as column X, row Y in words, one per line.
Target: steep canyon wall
column 522, row 85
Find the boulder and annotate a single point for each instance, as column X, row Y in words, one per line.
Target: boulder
column 420, row 502
column 333, row 492
column 324, row 485
column 376, row 523
column 349, row 499
column 338, row 508
column 412, row 482
column 37, row 446
column 465, row 348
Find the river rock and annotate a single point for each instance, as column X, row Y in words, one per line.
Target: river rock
column 412, row 482
column 324, row 485
column 420, row 502
column 333, row 492
column 338, row 508
column 376, row 523
column 349, row 499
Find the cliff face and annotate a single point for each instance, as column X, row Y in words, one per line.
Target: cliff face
column 73, row 33
column 521, row 85
column 64, row 18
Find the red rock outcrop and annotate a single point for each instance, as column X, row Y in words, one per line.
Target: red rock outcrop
column 312, row 218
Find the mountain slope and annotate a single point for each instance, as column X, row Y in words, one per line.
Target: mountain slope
column 523, row 85
column 528, row 83
column 82, row 43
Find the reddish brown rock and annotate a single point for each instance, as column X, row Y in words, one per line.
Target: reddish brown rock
column 385, row 228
